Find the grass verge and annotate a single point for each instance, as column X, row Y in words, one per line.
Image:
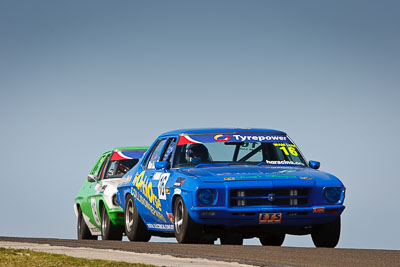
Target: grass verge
column 25, row 257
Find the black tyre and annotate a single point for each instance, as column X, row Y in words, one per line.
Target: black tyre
column 135, row 229
column 82, row 229
column 185, row 229
column 207, row 241
column 207, row 238
column 231, row 240
column 326, row 235
column 272, row 239
column 109, row 231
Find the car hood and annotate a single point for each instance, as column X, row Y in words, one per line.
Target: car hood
column 251, row 173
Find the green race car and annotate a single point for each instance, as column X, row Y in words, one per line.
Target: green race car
column 96, row 205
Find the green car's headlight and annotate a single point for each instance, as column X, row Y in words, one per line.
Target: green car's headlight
column 333, row 194
column 114, row 200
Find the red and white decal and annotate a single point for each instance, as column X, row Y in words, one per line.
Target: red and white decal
column 186, row 140
column 170, row 217
column 118, row 155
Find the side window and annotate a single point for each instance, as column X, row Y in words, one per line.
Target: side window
column 155, row 154
column 98, row 165
column 111, row 169
column 168, row 151
column 117, row 168
column 103, row 168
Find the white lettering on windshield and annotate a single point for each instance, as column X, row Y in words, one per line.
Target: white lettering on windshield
column 259, row 138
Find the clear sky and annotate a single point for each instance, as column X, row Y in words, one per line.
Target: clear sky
column 80, row 77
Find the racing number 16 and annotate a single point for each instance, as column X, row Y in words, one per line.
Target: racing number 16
column 292, row 151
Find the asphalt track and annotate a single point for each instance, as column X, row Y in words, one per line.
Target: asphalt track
column 251, row 255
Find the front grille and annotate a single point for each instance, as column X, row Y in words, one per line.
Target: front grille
column 269, row 197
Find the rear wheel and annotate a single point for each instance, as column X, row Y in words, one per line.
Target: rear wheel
column 82, row 229
column 109, row 231
column 185, row 229
column 326, row 235
column 135, row 229
column 272, row 239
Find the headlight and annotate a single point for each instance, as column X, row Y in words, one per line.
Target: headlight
column 206, row 196
column 114, row 200
column 333, row 194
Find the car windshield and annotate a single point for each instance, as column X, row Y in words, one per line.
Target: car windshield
column 269, row 149
column 122, row 161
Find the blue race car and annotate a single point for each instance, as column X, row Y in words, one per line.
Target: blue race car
column 202, row 184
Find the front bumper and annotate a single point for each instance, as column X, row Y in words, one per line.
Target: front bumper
column 250, row 216
column 117, row 216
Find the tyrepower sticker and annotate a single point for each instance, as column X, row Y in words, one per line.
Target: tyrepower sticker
column 270, row 218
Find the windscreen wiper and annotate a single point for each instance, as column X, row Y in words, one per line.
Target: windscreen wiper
column 265, row 163
column 200, row 165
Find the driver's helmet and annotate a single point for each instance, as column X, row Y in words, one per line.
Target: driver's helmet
column 197, row 153
column 122, row 168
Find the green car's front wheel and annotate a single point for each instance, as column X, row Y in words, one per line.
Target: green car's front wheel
column 135, row 229
column 109, row 231
column 82, row 229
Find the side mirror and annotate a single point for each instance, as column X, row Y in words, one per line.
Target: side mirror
column 91, row 178
column 161, row 165
column 314, row 164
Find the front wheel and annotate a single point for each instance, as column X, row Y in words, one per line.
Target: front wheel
column 272, row 239
column 135, row 229
column 109, row 231
column 326, row 235
column 231, row 240
column 185, row 229
column 82, row 229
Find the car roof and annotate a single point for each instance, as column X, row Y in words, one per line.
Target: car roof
column 220, row 130
column 131, row 148
column 124, row 148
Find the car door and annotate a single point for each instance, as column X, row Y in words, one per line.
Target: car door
column 162, row 185
column 161, row 221
column 94, row 191
column 161, row 177
column 147, row 199
column 88, row 187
